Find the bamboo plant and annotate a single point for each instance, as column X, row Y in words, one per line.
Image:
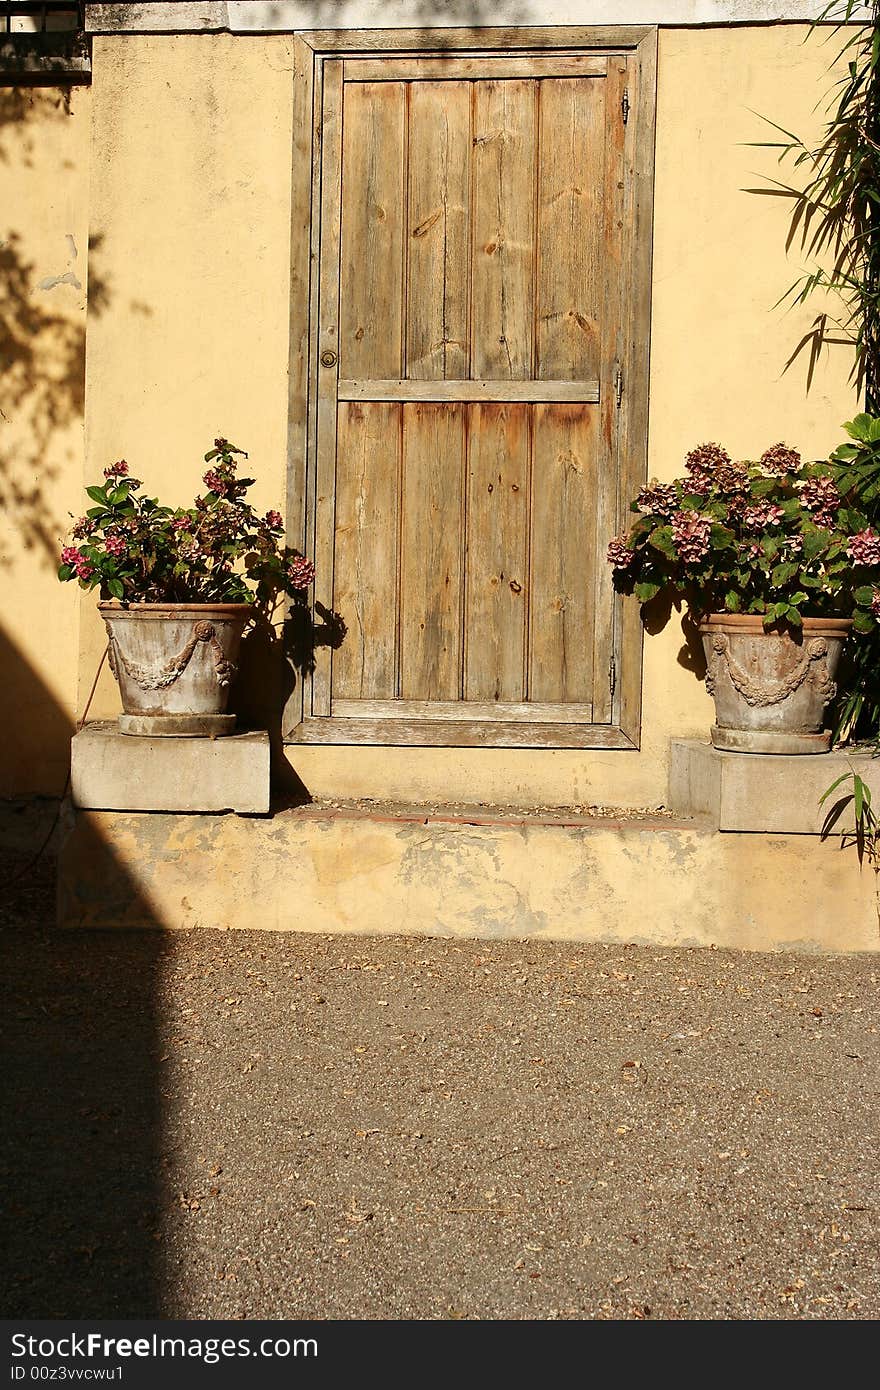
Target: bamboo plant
column 835, row 222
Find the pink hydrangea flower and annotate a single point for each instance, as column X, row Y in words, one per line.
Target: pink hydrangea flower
column 70, row 555
column 84, row 568
column 216, row 482
column 180, row 523
column 706, row 458
column 620, row 555
column 761, row 515
column 703, row 463
column 820, row 495
column 780, row 460
column 117, row 470
column 864, row 548
column 82, row 528
column 732, row 477
column 301, row 572
column 274, row 519
column 661, row 499
column 690, row 533
column 115, row 545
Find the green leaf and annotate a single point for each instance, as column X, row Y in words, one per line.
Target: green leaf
column 721, row 537
column 858, row 795
column 859, row 428
column 863, row 622
column 115, row 587
column 646, row 590
column 838, row 781
column 814, row 542
column 97, row 494
column 661, row 539
column 732, row 601
column 864, row 595
column 783, row 573
column 640, row 528
column 65, row 572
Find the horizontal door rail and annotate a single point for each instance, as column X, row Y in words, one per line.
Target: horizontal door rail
column 473, row 69
column 457, row 733
column 508, row 712
column 577, row 392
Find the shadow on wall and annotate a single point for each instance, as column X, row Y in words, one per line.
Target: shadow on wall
column 449, row 13
column 658, row 613
column 80, row 1143
column 42, row 350
column 452, row 14
column 274, row 664
column 36, row 730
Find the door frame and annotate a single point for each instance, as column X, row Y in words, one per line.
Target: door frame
column 311, row 51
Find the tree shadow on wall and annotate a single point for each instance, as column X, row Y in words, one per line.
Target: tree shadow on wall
column 450, row 13
column 42, row 348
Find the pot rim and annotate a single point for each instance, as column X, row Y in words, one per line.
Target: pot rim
column 112, row 608
column 753, row 622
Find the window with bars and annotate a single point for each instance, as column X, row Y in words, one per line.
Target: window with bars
column 43, row 42
column 33, row 18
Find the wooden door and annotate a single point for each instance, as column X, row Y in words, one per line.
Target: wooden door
column 473, row 288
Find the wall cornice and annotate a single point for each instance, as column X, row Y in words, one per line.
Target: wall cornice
column 279, row 16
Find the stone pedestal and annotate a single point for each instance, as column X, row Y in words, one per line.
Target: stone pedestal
column 112, row 771
column 762, row 791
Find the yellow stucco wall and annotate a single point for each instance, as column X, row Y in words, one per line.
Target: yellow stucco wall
column 44, row 160
column 189, row 217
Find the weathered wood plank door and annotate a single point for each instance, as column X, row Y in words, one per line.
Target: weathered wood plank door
column 474, row 287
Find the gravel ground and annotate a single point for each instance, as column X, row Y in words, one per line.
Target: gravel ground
column 257, row 1126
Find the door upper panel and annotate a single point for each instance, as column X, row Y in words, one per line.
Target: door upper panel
column 473, row 228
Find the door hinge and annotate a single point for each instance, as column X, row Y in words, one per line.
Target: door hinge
column 612, row 675
column 624, row 105
column 618, row 385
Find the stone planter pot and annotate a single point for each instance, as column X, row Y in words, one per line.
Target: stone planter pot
column 174, row 664
column 771, row 689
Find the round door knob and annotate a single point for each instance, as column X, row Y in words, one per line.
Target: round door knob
column 328, row 358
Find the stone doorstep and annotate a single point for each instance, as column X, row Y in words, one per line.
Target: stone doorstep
column 111, row 771
column 296, row 871
column 764, row 792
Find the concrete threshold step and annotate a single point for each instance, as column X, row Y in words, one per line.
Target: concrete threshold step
column 334, row 868
column 481, row 813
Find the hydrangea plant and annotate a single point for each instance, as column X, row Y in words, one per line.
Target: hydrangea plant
column 219, row 550
column 775, row 538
